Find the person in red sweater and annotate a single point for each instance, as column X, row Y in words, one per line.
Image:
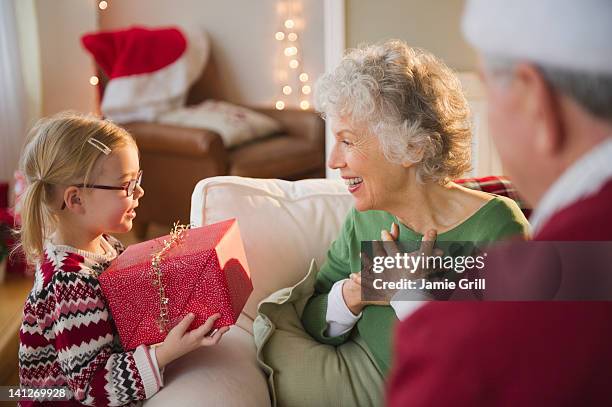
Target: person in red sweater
column 83, row 182
column 546, row 66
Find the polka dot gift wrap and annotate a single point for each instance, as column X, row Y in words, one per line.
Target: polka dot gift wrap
column 203, row 271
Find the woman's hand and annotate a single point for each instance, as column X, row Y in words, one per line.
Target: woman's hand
column 388, row 248
column 391, row 250
column 351, row 289
column 180, row 342
column 351, row 293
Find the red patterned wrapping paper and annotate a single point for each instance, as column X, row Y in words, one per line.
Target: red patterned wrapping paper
column 205, row 272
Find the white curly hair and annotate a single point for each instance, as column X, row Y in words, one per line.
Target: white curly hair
column 409, row 99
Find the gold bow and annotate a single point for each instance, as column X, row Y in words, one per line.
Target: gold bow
column 156, row 258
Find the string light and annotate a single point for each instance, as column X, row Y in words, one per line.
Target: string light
column 94, row 80
column 290, row 51
column 292, row 82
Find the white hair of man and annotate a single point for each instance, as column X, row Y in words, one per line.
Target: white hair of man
column 592, row 91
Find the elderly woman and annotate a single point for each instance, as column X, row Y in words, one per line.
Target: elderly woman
column 402, row 133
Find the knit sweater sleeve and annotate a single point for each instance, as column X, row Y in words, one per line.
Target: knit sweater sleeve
column 336, row 267
column 97, row 370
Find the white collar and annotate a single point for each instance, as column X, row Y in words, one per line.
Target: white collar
column 584, row 178
column 109, row 251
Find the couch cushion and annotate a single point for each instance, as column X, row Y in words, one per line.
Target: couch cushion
column 226, row 374
column 283, row 224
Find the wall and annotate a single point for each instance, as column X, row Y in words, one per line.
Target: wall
column 65, row 67
column 242, row 35
column 433, row 25
column 54, row 70
column 30, row 57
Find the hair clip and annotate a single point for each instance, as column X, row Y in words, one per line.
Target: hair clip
column 99, row 145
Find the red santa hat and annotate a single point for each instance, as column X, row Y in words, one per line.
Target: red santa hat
column 150, row 70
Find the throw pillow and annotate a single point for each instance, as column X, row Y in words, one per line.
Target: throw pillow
column 235, row 124
column 498, row 185
column 303, row 372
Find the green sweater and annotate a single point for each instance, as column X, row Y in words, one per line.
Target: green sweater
column 497, row 219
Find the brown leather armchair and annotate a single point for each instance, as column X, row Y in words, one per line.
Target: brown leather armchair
column 175, row 158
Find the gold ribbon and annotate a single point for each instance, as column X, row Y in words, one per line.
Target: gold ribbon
column 176, row 234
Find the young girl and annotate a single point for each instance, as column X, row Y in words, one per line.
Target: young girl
column 83, row 178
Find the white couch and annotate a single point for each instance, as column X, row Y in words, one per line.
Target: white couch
column 283, row 225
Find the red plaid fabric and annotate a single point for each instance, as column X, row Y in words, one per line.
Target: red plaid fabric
column 496, row 185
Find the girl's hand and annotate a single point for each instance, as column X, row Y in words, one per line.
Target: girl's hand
column 179, row 342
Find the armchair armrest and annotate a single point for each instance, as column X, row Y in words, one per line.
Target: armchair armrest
column 176, row 140
column 304, row 124
column 174, row 159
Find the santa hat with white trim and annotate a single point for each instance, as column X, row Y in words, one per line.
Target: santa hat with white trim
column 150, row 71
column 570, row 34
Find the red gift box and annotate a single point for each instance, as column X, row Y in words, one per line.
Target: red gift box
column 204, row 272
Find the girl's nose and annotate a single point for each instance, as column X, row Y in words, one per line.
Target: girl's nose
column 138, row 192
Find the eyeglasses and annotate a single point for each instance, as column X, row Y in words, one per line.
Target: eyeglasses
column 129, row 188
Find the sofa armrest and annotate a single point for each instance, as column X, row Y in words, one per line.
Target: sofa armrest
column 176, row 140
column 304, row 124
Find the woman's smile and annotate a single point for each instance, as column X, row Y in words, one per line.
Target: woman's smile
column 353, row 183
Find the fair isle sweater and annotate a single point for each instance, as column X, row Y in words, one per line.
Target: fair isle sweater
column 68, row 338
